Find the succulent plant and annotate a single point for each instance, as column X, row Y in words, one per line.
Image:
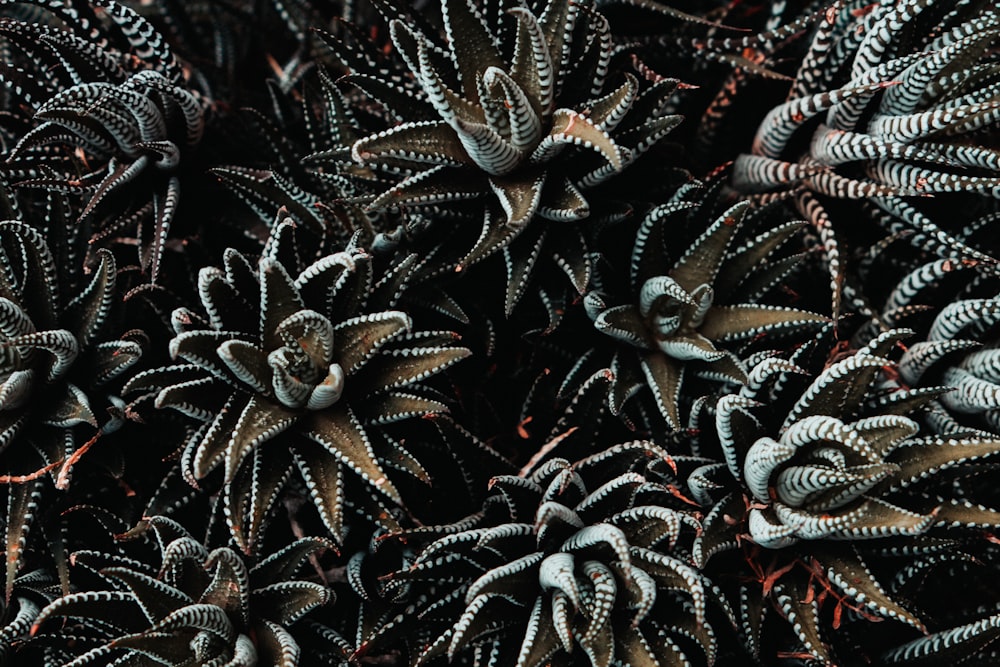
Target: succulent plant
column 198, row 607
column 119, row 121
column 61, row 367
column 736, row 57
column 913, row 92
column 509, row 185
column 567, row 557
column 56, row 351
column 29, row 592
column 823, row 477
column 268, row 172
column 974, row 376
column 953, row 306
column 908, row 104
column 969, row 644
column 698, row 312
column 506, row 120
column 295, row 356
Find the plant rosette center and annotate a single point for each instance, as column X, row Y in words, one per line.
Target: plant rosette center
column 814, row 481
column 303, row 374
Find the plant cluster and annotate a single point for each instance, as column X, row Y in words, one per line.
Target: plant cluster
column 507, row 334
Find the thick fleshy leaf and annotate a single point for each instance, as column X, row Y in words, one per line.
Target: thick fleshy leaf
column 721, row 529
column 276, row 645
column 279, row 300
column 342, row 435
column 519, row 196
column 664, row 376
column 848, row 572
column 159, row 647
column 397, row 368
column 284, row 564
column 570, row 127
column 624, row 323
column 920, row 458
column 157, row 599
column 700, row 264
column 958, row 514
column 434, row 186
column 532, row 68
column 230, row 585
column 520, row 258
column 260, row 421
column 430, row 142
column 287, row 601
column 734, row 323
column 803, row 616
column 540, row 640
column 471, row 43
column 200, row 347
column 358, row 339
column 396, row 406
column 90, row 308
column 742, row 263
column 948, row 647
column 22, row 503
column 118, row 608
column 324, row 479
